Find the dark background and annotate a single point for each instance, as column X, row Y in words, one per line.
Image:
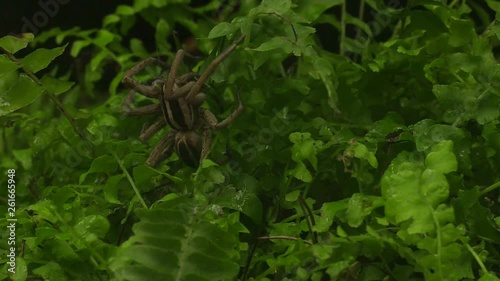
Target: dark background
column 85, row 14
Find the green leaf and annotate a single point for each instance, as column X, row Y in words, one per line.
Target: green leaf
column 78, row 46
column 362, row 152
column 51, row 271
column 243, row 201
column 21, row 270
column 300, row 172
column 276, row 43
column 102, row 164
column 494, row 5
column 461, row 32
column 103, row 38
column 7, row 66
column 41, row 58
column 313, row 9
column 21, row 94
column 13, row 44
column 192, row 249
column 92, row 227
column 23, row 156
column 125, row 10
column 442, row 158
column 360, row 206
column 414, row 193
column 56, row 86
column 111, row 188
column 222, row 29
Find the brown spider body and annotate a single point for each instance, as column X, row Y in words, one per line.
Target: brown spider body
column 180, row 102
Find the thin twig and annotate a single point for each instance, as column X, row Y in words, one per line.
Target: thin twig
column 282, row 237
column 131, row 181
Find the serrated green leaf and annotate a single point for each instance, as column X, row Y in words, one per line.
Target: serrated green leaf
column 92, row 225
column 103, row 164
column 56, row 86
column 7, row 66
column 78, row 46
column 21, row 94
column 243, row 201
column 51, row 271
column 41, row 58
column 222, row 29
column 12, row 44
column 125, row 10
column 442, row 158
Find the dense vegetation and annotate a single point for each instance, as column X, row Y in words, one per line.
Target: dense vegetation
column 378, row 159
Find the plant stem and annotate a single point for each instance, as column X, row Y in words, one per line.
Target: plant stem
column 131, row 181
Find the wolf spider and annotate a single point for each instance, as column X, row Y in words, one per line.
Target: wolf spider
column 179, row 101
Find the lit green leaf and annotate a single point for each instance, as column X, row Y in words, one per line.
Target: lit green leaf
column 103, row 164
column 442, row 158
column 41, row 58
column 56, row 86
column 13, row 44
column 7, row 66
column 21, row 94
column 222, row 29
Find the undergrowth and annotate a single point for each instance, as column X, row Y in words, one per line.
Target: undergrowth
column 376, row 161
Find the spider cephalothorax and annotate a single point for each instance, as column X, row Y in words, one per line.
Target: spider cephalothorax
column 179, row 106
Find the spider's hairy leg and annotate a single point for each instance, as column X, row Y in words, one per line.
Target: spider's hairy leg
column 148, row 91
column 211, row 68
column 129, row 110
column 212, row 121
column 207, row 142
column 188, row 146
column 152, row 129
column 162, row 150
column 169, row 85
column 183, row 79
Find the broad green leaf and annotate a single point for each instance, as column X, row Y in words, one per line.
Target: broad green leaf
column 41, row 58
column 300, row 172
column 415, row 194
column 23, row 156
column 442, row 158
column 243, row 201
column 163, row 30
column 360, row 206
column 7, row 66
column 494, row 5
column 51, row 271
column 44, row 209
column 143, row 176
column 276, row 43
column 305, row 148
column 21, row 94
column 292, row 196
column 111, row 188
column 56, row 86
column 78, row 46
column 461, row 32
column 125, row 10
column 313, row 9
column 109, row 19
column 92, row 227
column 362, row 152
column 222, row 29
column 21, row 270
column 102, row 164
column 13, row 44
column 103, row 38
column 197, row 249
